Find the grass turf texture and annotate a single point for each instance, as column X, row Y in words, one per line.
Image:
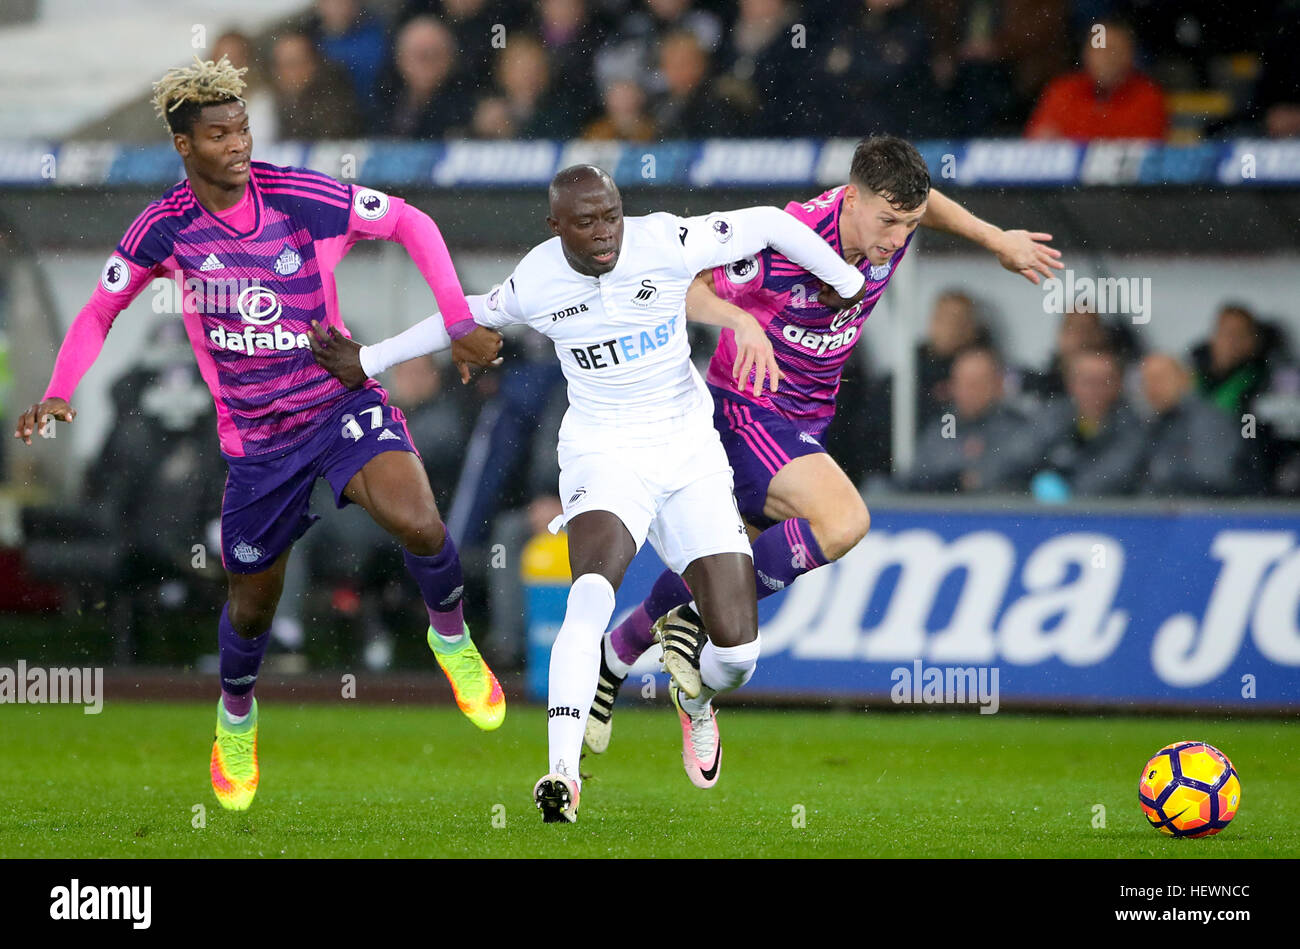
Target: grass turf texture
column 370, row 781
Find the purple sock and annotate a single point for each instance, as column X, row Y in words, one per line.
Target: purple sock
column 240, row 660
column 783, row 553
column 632, row 636
column 441, row 584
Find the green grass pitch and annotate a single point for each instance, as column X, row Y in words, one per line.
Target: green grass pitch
column 408, row 781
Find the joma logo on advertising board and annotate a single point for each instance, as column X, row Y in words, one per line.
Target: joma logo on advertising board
column 1067, row 610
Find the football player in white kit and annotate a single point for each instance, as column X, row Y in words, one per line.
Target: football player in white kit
column 639, row 456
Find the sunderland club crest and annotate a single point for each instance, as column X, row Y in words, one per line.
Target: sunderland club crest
column 289, row 262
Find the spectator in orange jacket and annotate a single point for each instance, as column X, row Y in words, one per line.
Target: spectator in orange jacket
column 1108, row 98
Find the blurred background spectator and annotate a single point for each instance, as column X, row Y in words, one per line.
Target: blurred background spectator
column 953, row 327
column 624, row 118
column 423, row 101
column 991, row 58
column 493, row 473
column 523, row 104
column 1080, row 330
column 764, row 72
column 259, row 99
column 480, row 28
column 505, row 492
column 1275, row 105
column 689, row 104
column 1108, row 98
column 571, row 35
column 1194, row 447
column 979, row 445
column 1090, row 442
column 634, row 47
column 313, row 98
column 349, row 35
column 875, row 75
column 1231, row 366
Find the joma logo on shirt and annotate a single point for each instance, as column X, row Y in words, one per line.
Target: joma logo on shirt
column 569, row 311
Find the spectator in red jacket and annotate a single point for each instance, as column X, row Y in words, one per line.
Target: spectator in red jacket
column 1108, row 98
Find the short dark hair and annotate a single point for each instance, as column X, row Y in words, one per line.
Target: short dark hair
column 892, row 168
column 573, row 175
column 181, row 119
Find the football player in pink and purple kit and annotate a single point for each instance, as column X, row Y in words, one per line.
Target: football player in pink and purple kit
column 801, row 508
column 254, row 247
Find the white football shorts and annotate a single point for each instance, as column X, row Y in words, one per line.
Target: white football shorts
column 678, row 496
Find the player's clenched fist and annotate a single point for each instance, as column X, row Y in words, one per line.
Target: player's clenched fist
column 479, row 347
column 337, row 354
column 35, row 416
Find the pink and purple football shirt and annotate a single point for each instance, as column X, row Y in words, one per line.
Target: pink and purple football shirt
column 252, row 279
column 811, row 342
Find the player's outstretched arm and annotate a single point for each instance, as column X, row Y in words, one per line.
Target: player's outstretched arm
column 352, row 364
column 1024, row 252
column 418, row 233
column 761, row 227
column 753, row 348
column 120, row 283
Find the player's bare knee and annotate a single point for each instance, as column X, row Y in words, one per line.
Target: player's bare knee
column 737, row 636
column 251, row 617
column 858, row 522
column 733, row 631
column 422, row 532
column 840, row 534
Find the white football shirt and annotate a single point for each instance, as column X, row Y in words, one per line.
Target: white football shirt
column 621, row 337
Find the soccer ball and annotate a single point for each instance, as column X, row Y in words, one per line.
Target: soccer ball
column 1189, row 789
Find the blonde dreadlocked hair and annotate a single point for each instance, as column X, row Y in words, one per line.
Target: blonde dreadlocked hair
column 182, row 92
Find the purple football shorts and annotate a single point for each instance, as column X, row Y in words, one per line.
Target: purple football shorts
column 267, row 503
column 759, row 443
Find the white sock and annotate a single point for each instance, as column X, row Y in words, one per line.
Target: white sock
column 616, row 665
column 722, row 669
column 575, row 669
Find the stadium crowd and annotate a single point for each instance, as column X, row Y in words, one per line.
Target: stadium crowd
column 643, row 70
column 1105, row 418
